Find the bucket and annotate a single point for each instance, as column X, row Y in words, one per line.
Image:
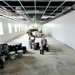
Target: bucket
column 3, row 58
column 5, row 46
column 0, row 46
column 5, row 49
column 42, row 52
column 20, row 53
column 0, row 49
column 24, row 49
column 12, row 55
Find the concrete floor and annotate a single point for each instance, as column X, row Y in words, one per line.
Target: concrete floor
column 59, row 61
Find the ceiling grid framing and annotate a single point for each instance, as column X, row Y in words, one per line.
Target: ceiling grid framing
column 24, row 9
column 56, row 8
column 35, row 11
column 40, row 10
column 46, row 8
column 11, row 8
column 8, row 5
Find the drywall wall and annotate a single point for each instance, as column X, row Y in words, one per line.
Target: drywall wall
column 37, row 25
column 63, row 29
column 8, row 36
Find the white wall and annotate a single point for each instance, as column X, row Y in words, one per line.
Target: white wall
column 39, row 26
column 63, row 29
column 8, row 36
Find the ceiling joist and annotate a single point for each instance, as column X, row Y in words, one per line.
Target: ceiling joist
column 38, row 10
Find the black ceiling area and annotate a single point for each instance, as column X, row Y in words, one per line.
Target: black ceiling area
column 41, row 11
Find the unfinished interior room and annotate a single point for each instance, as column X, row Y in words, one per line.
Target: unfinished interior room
column 37, row 37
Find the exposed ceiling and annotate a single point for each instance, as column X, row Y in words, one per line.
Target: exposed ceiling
column 40, row 11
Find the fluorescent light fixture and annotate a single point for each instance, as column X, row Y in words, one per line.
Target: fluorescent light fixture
column 45, row 17
column 33, row 11
column 17, row 17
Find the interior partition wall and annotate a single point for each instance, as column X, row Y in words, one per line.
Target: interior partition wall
column 7, row 29
column 62, row 29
